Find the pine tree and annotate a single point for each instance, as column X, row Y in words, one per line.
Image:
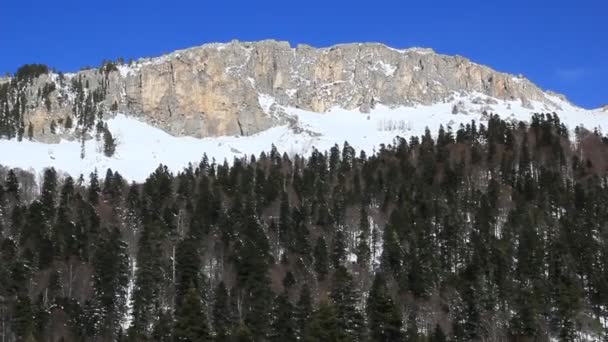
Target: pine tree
column 412, row 333
column 30, row 131
column 286, row 234
column 111, row 279
column 41, row 318
column 12, row 185
column 163, row 328
column 252, row 260
column 363, row 250
column 23, row 320
column 321, row 264
column 438, row 335
column 109, row 143
column 303, row 312
column 49, row 192
column 288, row 281
column 282, row 327
column 243, row 334
column 94, row 188
column 338, row 254
column 222, row 319
column 383, row 314
column 187, row 266
column 324, row 325
column 190, row 319
column 68, row 122
column 149, row 278
column 391, row 251
column 345, row 298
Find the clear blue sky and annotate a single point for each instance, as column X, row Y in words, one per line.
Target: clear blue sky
column 558, row 44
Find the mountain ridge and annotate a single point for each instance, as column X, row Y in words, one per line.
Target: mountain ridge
column 213, row 89
column 235, row 100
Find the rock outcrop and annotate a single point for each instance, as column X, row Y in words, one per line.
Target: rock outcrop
column 214, row 89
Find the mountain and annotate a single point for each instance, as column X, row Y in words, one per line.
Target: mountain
column 254, row 94
column 486, row 229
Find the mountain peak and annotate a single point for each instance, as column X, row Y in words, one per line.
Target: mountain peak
column 214, row 89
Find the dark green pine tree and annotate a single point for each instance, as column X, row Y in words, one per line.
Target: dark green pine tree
column 13, row 188
column 243, row 334
column 222, row 318
column 321, row 262
column 148, row 280
column 324, row 325
column 252, row 263
column 338, row 252
column 288, row 281
column 163, row 328
column 412, row 333
column 30, row 131
column 303, row 312
column 391, row 251
column 282, row 327
column 112, row 185
column 301, row 236
column 111, row 278
column 566, row 291
column 383, row 315
column 64, row 230
column 467, row 325
column 94, row 189
column 49, row 192
column 187, row 268
column 109, row 143
column 190, row 319
column 286, row 231
column 363, row 250
column 346, row 300
column 36, row 227
column 334, row 159
column 41, row 319
column 23, row 319
column 438, row 335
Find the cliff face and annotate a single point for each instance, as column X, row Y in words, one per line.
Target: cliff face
column 214, row 89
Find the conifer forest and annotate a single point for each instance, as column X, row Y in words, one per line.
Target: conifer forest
column 491, row 231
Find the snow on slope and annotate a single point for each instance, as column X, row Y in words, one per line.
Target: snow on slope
column 141, row 147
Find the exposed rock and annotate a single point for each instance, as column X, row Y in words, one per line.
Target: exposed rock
column 459, row 108
column 214, row 89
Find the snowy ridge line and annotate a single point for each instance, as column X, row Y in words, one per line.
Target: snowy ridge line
column 141, row 147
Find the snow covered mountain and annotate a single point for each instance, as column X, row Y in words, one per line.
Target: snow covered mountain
column 236, row 99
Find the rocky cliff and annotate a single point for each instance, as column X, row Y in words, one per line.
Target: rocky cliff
column 214, row 89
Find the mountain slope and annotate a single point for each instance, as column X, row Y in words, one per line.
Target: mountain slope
column 142, row 147
column 237, row 99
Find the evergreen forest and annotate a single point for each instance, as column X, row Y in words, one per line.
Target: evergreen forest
column 491, row 231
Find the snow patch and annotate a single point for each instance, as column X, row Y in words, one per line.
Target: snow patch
column 291, row 92
column 142, row 147
column 126, row 70
column 351, row 257
column 266, row 101
column 387, row 69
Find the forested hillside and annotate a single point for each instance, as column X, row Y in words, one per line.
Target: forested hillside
column 495, row 231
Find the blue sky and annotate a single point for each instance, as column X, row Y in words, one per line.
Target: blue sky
column 560, row 45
